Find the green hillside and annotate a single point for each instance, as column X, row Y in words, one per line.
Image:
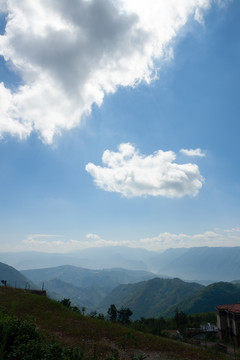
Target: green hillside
column 208, row 298
column 150, row 298
column 97, row 339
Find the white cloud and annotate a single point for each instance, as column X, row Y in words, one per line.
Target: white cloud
column 43, row 240
column 161, row 242
column 51, row 243
column 209, row 238
column 93, row 237
column 193, row 152
column 70, row 55
column 233, row 230
column 132, row 174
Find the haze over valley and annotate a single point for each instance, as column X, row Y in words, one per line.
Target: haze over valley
column 187, row 279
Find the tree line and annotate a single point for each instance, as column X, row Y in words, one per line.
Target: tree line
column 156, row 326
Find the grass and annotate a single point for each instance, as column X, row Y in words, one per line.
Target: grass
column 98, row 338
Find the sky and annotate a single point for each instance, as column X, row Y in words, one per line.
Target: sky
column 119, row 124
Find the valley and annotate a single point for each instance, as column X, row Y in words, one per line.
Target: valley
column 146, row 293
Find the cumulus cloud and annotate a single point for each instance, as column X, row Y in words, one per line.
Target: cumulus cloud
column 132, row 174
column 70, row 56
column 193, row 152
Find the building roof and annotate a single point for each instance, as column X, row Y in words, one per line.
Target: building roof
column 235, row 308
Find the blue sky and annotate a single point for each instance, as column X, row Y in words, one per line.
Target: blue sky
column 65, row 106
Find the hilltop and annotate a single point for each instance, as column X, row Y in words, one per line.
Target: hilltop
column 13, row 277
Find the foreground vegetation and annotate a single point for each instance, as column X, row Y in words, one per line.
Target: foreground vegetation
column 20, row 339
column 77, row 336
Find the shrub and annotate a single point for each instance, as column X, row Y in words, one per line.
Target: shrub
column 21, row 340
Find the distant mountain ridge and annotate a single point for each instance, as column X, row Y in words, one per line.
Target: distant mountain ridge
column 88, row 297
column 200, row 263
column 106, row 278
column 207, row 264
column 91, row 258
column 84, row 287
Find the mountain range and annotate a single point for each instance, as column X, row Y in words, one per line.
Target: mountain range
column 200, row 264
column 146, row 295
column 91, row 258
column 85, row 287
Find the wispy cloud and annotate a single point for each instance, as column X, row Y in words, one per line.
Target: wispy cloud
column 43, row 240
column 163, row 241
column 193, row 152
column 69, row 57
column 132, row 174
column 209, row 238
column 52, row 243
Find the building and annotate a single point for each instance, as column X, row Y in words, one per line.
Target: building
column 228, row 322
column 209, row 328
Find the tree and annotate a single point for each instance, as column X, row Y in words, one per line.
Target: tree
column 75, row 308
column 93, row 314
column 180, row 319
column 83, row 309
column 124, row 315
column 112, row 312
column 66, row 302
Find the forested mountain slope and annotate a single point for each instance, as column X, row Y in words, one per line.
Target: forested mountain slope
column 150, row 298
column 208, row 298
